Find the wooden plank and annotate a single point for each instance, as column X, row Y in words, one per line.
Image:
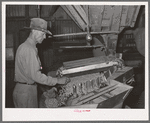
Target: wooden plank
column 134, row 11
column 109, row 88
column 121, row 88
column 112, row 39
column 116, row 18
column 112, row 102
column 76, row 16
column 101, row 16
column 107, row 17
column 85, row 7
column 95, row 13
column 107, row 22
column 135, row 16
column 68, row 12
column 123, row 17
column 81, row 12
column 129, row 15
column 111, row 16
column 108, row 95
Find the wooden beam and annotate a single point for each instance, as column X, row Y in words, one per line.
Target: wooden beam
column 130, row 15
column 96, row 14
column 82, row 13
column 68, row 12
column 116, row 18
column 101, row 16
column 76, row 16
column 135, row 15
column 111, row 17
column 107, row 18
column 124, row 17
column 107, row 22
column 115, row 26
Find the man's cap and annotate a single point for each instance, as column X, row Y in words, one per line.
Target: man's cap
column 38, row 24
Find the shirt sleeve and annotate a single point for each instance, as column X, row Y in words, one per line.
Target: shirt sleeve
column 33, row 69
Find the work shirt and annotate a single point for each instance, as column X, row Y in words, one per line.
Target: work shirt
column 28, row 65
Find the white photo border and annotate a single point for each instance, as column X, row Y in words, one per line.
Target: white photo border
column 40, row 114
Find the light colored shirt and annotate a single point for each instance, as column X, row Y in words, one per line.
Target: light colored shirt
column 28, row 65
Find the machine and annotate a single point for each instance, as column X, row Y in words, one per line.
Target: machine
column 97, row 82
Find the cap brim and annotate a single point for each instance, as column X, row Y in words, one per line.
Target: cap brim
column 43, row 30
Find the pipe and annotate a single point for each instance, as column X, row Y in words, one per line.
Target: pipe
column 83, row 33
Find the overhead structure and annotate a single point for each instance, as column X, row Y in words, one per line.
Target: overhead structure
column 103, row 18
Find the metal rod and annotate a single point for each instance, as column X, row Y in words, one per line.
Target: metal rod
column 38, row 11
column 83, row 33
column 92, row 46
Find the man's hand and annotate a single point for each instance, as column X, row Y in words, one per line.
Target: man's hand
column 63, row 80
column 59, row 71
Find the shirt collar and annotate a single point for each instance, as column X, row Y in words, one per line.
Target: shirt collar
column 32, row 42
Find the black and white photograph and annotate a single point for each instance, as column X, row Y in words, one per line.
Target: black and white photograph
column 75, row 61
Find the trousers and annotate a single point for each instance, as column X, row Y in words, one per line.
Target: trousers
column 25, row 96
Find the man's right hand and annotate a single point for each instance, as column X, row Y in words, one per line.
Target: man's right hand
column 63, row 80
column 58, row 72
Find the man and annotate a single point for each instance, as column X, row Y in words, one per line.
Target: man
column 28, row 66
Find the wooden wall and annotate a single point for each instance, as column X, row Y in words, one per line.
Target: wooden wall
column 51, row 57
